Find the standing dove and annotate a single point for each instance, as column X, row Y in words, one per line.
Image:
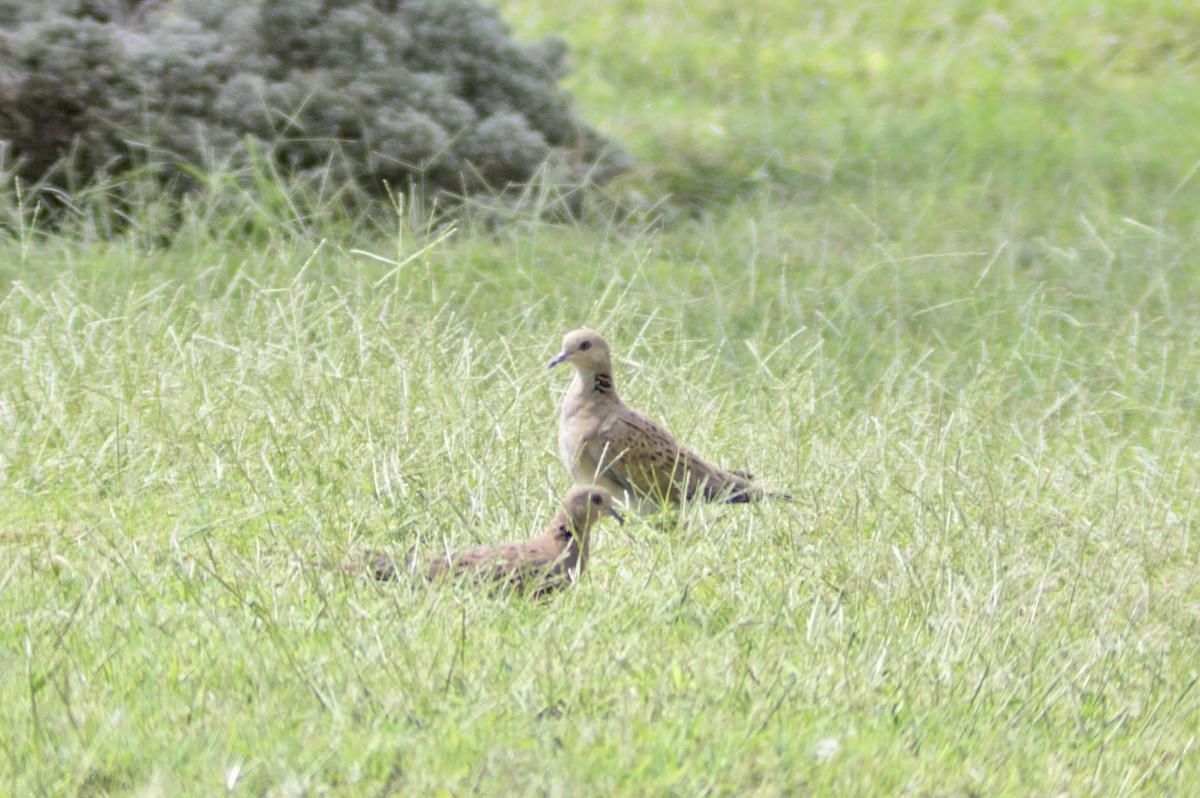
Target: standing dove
column 603, row 441
column 540, row 565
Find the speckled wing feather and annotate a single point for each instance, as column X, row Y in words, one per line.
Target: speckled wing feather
column 640, row 456
column 539, row 565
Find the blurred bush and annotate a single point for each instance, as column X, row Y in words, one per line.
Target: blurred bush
column 431, row 97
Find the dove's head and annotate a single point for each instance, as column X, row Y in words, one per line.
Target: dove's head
column 585, row 350
column 586, row 504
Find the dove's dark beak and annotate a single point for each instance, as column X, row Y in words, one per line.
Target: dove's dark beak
column 620, row 518
column 558, row 359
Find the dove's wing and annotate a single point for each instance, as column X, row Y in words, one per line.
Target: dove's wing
column 641, row 457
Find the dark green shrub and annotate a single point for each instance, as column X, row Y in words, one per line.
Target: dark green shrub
column 428, row 96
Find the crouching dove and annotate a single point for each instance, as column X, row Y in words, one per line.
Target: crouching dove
column 540, row 565
column 603, row 441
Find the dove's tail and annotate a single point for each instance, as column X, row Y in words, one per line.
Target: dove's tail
column 375, row 564
column 740, row 489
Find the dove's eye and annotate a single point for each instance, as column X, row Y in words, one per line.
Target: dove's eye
column 585, row 346
column 596, row 499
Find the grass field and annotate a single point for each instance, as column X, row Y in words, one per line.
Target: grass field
column 933, row 270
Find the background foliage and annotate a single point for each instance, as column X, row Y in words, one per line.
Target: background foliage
column 415, row 96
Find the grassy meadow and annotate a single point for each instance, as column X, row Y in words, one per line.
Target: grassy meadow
column 934, row 269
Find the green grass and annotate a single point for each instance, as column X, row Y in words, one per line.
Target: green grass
column 945, row 297
column 1079, row 101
